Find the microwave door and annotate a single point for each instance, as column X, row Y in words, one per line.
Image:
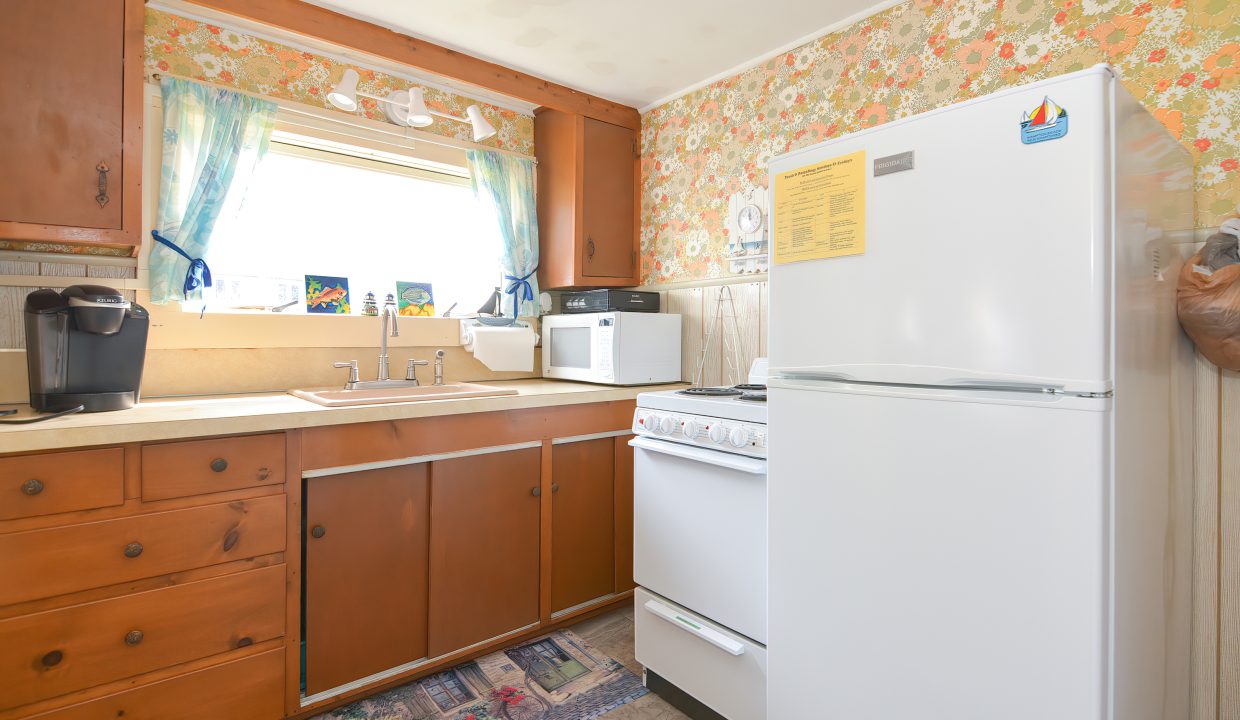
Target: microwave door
column 569, row 348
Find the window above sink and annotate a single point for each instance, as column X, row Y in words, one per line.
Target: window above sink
column 327, row 205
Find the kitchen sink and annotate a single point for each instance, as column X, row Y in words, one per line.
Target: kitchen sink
column 378, row 396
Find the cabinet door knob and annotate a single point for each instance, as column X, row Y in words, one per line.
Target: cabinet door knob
column 318, row 531
column 102, row 197
column 133, row 550
column 263, row 474
column 555, row 487
column 536, row 491
column 133, row 637
column 53, row 658
column 590, row 248
column 219, row 465
column 32, row 487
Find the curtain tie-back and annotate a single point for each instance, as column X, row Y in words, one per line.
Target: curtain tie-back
column 520, row 285
column 198, row 275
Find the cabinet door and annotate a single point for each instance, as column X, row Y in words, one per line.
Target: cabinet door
column 366, row 573
column 583, row 549
column 61, row 66
column 484, row 547
column 609, row 248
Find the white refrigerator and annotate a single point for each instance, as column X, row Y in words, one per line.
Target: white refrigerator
column 980, row 451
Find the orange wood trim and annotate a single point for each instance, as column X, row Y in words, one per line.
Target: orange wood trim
column 460, row 656
column 545, row 534
column 292, row 620
column 328, row 26
column 345, row 445
column 133, row 471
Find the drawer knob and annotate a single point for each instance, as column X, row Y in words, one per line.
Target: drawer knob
column 32, row 487
column 318, row 531
column 231, row 539
column 133, row 637
column 245, row 642
column 133, row 550
column 536, row 491
column 263, row 473
column 555, row 487
column 219, row 465
column 53, row 658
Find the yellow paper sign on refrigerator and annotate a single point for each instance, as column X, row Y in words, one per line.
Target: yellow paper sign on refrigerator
column 820, row 210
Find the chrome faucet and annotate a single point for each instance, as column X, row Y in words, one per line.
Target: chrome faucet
column 438, row 367
column 389, row 309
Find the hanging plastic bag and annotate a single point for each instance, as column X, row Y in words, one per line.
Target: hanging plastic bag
column 1208, row 297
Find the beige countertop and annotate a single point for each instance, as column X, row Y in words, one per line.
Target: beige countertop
column 186, row 417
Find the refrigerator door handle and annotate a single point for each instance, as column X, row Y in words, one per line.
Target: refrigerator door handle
column 752, row 466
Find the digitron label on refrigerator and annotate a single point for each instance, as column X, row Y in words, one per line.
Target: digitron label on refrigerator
column 820, row 210
column 1045, row 122
column 893, row 163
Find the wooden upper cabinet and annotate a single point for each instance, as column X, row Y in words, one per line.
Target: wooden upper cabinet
column 70, row 127
column 366, row 573
column 587, row 201
column 484, row 547
column 583, row 546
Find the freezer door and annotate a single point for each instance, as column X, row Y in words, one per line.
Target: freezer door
column 937, row 556
column 988, row 259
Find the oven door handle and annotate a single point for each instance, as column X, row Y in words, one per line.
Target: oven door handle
column 691, row 626
column 753, row 466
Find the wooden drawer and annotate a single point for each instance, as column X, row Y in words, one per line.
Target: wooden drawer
column 33, row 485
column 55, row 561
column 245, row 689
column 198, row 467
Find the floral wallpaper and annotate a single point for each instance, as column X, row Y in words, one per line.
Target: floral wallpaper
column 1180, row 57
column 200, row 51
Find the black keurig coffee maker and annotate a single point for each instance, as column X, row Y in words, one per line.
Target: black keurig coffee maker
column 85, row 346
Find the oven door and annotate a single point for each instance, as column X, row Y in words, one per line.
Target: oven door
column 571, row 348
column 699, row 531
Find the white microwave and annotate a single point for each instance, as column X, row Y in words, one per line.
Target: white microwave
column 614, row 348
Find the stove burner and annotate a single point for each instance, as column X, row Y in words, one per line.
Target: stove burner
column 710, row 392
column 749, row 386
column 753, row 397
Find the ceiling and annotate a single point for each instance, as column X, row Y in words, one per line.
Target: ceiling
column 636, row 52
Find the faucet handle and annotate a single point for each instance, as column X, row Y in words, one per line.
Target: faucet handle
column 410, row 372
column 353, row 376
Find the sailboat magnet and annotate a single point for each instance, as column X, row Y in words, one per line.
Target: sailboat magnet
column 1045, row 122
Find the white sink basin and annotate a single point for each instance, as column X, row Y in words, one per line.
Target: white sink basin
column 378, row 396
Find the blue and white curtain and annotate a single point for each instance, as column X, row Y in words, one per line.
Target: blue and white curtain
column 213, row 139
column 507, row 182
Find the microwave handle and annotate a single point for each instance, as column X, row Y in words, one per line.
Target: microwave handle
column 743, row 464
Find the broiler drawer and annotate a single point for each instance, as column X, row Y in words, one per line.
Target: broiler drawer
column 59, row 651
column 55, row 561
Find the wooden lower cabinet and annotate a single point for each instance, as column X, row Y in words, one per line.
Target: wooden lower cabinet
column 60, row 651
column 366, row 573
column 484, row 558
column 583, row 522
column 251, row 688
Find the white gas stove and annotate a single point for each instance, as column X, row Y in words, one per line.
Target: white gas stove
column 699, row 543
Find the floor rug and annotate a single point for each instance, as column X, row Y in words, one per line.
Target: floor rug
column 555, row 677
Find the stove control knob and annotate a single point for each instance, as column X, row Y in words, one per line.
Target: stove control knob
column 718, row 433
column 692, row 429
column 667, row 425
column 739, row 437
